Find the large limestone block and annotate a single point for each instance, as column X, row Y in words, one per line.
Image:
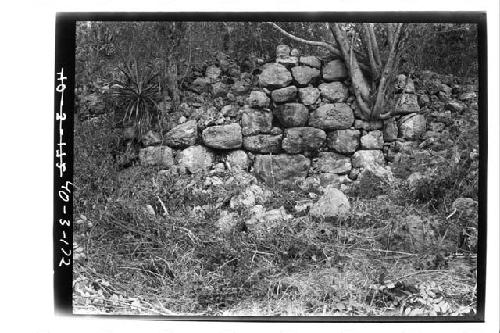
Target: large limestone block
column 366, row 158
column 304, row 75
column 332, row 116
column 223, row 136
column 263, row 143
column 390, row 130
column 256, row 122
column 412, row 127
column 334, row 91
column 237, row 159
column 310, row 61
column 332, row 204
column 281, row 169
column 156, row 155
column 407, row 103
column 303, row 139
column 282, row 51
column 258, row 99
column 292, row 114
column 334, row 71
column 183, row 135
column 343, row 141
column 275, row 76
column 309, row 95
column 330, row 162
column 283, row 95
column 372, row 140
column 195, row 158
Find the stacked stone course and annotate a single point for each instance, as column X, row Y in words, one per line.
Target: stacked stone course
column 301, row 120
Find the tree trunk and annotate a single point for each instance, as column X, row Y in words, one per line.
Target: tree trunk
column 389, row 69
column 370, row 94
column 359, row 84
column 172, row 87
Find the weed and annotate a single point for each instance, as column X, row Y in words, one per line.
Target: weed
column 136, row 94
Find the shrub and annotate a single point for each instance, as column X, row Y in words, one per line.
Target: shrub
column 95, row 172
column 369, row 186
column 136, row 94
column 446, row 183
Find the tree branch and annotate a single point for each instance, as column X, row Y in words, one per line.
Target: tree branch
column 361, row 90
column 305, row 41
column 370, row 51
column 376, row 51
column 390, row 34
column 364, row 108
column 388, row 69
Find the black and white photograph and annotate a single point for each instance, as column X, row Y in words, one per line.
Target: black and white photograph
column 300, row 166
column 250, row 166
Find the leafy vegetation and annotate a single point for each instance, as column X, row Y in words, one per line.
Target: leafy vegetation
column 136, row 95
column 147, row 242
column 130, row 261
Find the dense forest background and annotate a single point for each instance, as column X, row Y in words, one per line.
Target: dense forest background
column 445, row 48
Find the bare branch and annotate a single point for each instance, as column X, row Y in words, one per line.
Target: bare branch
column 363, row 107
column 351, row 46
column 376, row 51
column 357, row 53
column 385, row 116
column 388, row 69
column 327, row 28
column 336, row 32
column 357, row 78
column 367, row 41
column 361, row 90
column 401, row 46
column 390, row 34
column 308, row 42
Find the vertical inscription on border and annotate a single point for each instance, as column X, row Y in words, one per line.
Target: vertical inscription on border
column 61, row 117
column 64, row 191
column 64, row 92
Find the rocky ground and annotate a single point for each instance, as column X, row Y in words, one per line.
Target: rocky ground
column 170, row 227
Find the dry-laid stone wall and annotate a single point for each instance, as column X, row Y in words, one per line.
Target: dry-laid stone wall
column 300, row 121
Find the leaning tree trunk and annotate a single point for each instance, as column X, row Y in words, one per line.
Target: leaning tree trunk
column 171, row 53
column 172, row 86
column 370, row 92
column 371, row 100
column 359, row 82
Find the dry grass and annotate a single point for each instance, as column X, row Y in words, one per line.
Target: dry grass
column 361, row 266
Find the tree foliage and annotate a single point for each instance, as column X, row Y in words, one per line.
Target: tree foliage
column 453, row 48
column 175, row 52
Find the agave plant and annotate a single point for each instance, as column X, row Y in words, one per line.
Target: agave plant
column 136, row 94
